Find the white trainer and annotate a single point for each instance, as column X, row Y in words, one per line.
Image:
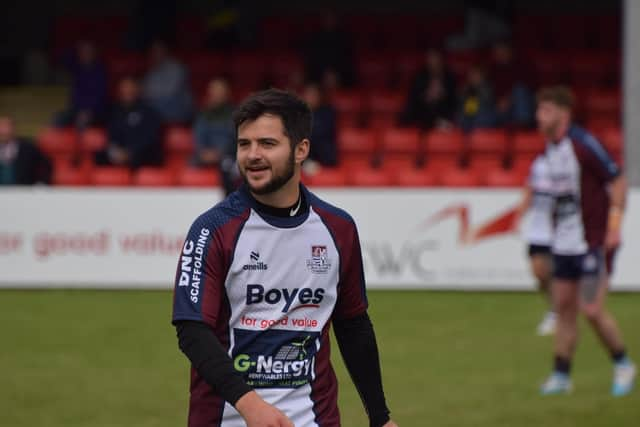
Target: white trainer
column 624, row 375
column 557, row 383
column 548, row 324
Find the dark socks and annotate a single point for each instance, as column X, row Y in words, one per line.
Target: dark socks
column 562, row 365
column 618, row 356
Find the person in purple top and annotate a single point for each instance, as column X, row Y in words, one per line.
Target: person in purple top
column 88, row 90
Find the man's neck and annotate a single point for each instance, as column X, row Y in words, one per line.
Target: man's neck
column 561, row 132
column 285, row 197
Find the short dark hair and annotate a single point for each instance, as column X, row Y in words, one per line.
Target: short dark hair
column 293, row 111
column 560, row 95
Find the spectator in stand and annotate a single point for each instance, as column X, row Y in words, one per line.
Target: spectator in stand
column 328, row 55
column 165, row 87
column 214, row 134
column 88, row 92
column 21, row 162
column 515, row 104
column 133, row 131
column 431, row 101
column 477, row 102
column 323, row 131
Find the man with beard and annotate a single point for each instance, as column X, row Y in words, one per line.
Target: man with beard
column 589, row 193
column 261, row 277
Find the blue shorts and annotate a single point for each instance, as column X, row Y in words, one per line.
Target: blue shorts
column 575, row 267
column 539, row 249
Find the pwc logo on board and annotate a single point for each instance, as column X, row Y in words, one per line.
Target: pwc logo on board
column 503, row 223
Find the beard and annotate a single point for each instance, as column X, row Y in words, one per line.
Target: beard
column 277, row 181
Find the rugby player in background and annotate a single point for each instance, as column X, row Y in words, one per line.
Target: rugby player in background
column 589, row 193
column 261, row 278
column 537, row 205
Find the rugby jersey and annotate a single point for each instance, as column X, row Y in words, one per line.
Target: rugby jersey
column 580, row 169
column 269, row 287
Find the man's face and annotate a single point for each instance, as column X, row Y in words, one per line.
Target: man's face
column 128, row 91
column 6, row 130
column 550, row 118
column 217, row 93
column 265, row 157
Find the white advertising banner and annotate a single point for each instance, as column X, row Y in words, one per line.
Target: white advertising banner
column 131, row 238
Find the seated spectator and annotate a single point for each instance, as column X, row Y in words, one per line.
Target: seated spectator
column 323, row 132
column 133, row 131
column 21, row 162
column 477, row 104
column 165, row 87
column 214, row 135
column 328, row 55
column 213, row 130
column 431, row 101
column 515, row 104
column 88, row 91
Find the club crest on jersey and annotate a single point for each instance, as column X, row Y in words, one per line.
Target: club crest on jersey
column 319, row 262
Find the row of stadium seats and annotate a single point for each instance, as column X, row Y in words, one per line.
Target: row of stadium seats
column 325, row 177
column 400, row 156
column 553, row 30
column 379, row 70
column 354, row 144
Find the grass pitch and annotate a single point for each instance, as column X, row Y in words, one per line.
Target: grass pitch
column 110, row 358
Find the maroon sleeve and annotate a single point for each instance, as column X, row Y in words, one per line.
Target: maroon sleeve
column 594, row 158
column 352, row 297
column 199, row 290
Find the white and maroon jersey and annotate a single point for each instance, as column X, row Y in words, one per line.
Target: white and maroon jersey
column 580, row 169
column 269, row 287
column 539, row 226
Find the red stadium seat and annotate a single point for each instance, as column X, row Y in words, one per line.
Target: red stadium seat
column 66, row 176
column 349, row 106
column 603, row 104
column 492, row 141
column 460, row 178
column 355, row 140
column 444, row 145
column 521, row 162
column 179, row 146
column 386, row 102
column 440, row 165
column 329, row 177
column 371, row 178
column 528, row 142
column 415, row 178
column 406, row 65
column 247, row 69
column 401, row 146
column 195, row 177
column 484, row 164
column 93, row 139
column 401, row 140
column 374, row 70
column 154, row 177
column 284, row 66
column 59, row 144
column 504, row 178
column 111, row 176
column 399, row 162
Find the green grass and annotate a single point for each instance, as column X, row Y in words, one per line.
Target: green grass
column 103, row 358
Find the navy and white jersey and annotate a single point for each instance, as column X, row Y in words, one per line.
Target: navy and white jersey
column 580, row 169
column 539, row 226
column 269, row 287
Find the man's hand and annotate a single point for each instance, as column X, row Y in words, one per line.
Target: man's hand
column 612, row 239
column 118, row 156
column 390, row 423
column 258, row 413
